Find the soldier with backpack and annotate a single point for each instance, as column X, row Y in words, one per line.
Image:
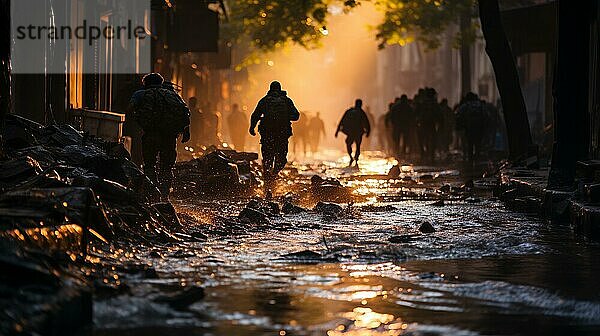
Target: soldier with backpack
column 275, row 112
column 163, row 116
column 354, row 124
column 472, row 119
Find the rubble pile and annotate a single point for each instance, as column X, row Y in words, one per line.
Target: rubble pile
column 62, row 194
column 216, row 173
column 41, row 294
column 55, row 176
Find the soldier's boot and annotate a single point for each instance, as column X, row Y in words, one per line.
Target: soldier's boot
column 166, row 182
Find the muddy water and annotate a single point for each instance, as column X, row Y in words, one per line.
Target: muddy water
column 485, row 271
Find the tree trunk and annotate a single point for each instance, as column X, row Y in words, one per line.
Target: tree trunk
column 5, row 83
column 507, row 80
column 465, row 54
column 571, row 92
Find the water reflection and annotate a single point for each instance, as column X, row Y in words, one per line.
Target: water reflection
column 484, row 271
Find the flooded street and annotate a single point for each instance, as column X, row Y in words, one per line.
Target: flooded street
column 366, row 269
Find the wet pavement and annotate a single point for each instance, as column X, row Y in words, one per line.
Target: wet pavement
column 367, row 270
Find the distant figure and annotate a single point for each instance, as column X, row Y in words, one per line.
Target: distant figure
column 354, row 124
column 275, row 112
column 384, row 131
column 399, row 118
column 316, row 129
column 163, row 116
column 238, row 124
column 446, row 136
column 300, row 134
column 212, row 122
column 428, row 121
column 471, row 119
column 197, row 121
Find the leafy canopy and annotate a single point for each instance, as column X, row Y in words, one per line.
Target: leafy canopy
column 406, row 21
column 267, row 25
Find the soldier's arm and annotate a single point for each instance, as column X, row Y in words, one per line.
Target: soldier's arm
column 339, row 128
column 134, row 105
column 257, row 114
column 294, row 114
column 367, row 124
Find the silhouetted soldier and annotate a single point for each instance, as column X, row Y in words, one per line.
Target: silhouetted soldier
column 429, row 118
column 212, row 125
column 400, row 113
column 300, row 134
column 238, row 123
column 316, row 128
column 354, row 124
column 275, row 111
column 447, row 129
column 163, row 116
column 471, row 118
column 384, row 131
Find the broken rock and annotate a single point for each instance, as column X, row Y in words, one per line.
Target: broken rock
column 426, row 227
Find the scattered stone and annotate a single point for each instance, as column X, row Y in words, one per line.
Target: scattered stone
column 426, row 227
column 394, row 172
column 438, row 203
column 290, row 209
column 271, row 208
column 308, row 256
column 328, row 208
column 167, row 210
column 253, row 204
column 181, row 300
column 253, row 216
column 104, row 290
column 377, row 208
column 330, row 190
column 317, row 180
column 217, row 172
column 426, row 177
column 445, row 188
column 18, row 169
column 400, row 239
column 199, row 236
column 473, row 200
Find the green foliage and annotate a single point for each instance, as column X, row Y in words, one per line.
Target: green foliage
column 266, row 25
column 406, row 21
column 269, row 24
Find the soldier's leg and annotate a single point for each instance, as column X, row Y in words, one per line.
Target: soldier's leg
column 168, row 156
column 349, row 142
column 281, row 152
column 358, row 142
column 268, row 155
column 149, row 156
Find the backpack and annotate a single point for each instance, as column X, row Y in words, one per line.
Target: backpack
column 276, row 118
column 352, row 122
column 163, row 110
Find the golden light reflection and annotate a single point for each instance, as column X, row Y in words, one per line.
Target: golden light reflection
column 367, row 322
column 63, row 238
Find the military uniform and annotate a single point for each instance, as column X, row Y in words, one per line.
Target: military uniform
column 472, row 119
column 163, row 115
column 354, row 124
column 275, row 112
